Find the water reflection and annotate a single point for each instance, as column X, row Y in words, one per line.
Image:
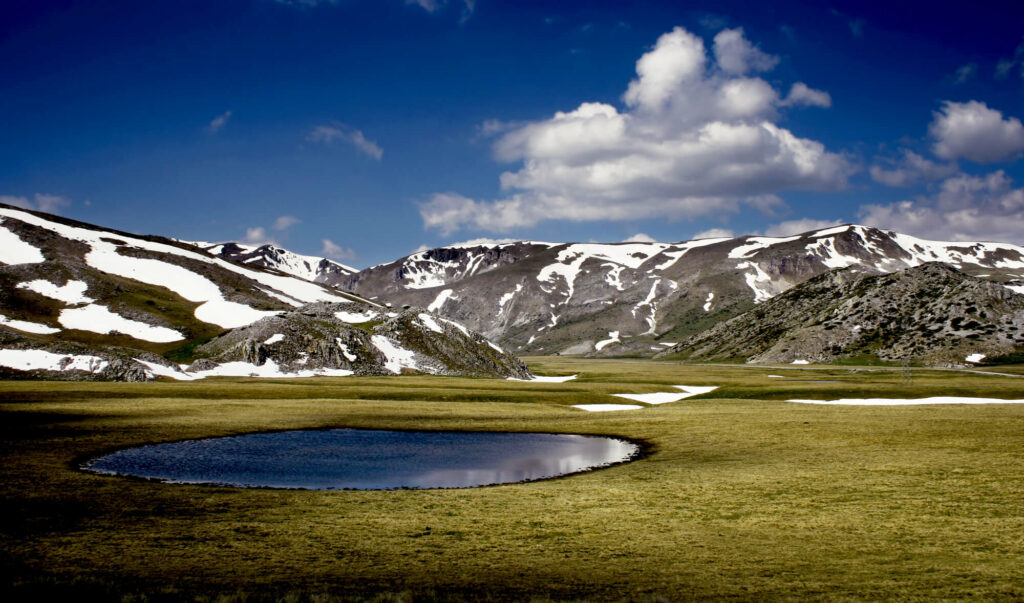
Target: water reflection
column 368, row 459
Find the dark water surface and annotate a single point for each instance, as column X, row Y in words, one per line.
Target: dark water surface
column 367, row 459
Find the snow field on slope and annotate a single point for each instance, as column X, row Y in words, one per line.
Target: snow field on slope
column 13, row 250
column 192, row 286
column 613, row 337
column 99, row 319
column 754, row 244
column 28, row 327
column 355, row 317
column 396, row 356
column 429, row 322
column 439, row 301
column 41, row 360
column 73, row 292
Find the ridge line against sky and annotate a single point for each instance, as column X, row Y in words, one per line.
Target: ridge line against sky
column 363, row 130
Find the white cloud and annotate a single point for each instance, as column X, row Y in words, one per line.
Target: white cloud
column 336, row 252
column 973, row 131
column 51, row 204
column 909, row 169
column 801, row 94
column 217, row 123
column 483, row 242
column 965, row 73
column 257, row 235
column 736, row 55
column 714, row 233
column 793, row 227
column 694, row 140
column 285, row 222
column 329, row 134
column 966, row 208
column 640, row 238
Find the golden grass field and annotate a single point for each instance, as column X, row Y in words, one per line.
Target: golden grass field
column 742, row 495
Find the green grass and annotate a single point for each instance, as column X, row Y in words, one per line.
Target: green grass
column 744, row 496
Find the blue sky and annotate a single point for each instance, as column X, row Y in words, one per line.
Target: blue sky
column 365, row 129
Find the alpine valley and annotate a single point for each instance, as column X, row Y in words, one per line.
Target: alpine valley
column 80, row 301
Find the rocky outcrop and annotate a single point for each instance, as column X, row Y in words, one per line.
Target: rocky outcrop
column 932, row 314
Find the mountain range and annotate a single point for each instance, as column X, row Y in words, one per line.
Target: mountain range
column 79, row 301
column 226, row 304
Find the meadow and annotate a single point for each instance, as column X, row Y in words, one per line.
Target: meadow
column 740, row 495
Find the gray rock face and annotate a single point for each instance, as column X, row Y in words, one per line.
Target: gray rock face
column 932, row 314
column 639, row 298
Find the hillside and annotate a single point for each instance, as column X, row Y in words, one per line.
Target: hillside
column 307, row 267
column 641, row 298
column 932, row 314
column 78, row 301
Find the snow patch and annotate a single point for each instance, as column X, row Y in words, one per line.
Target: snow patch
column 495, row 346
column 508, row 297
column 606, row 407
column 439, row 301
column 754, row 244
column 13, row 250
column 99, row 319
column 800, row 362
column 666, row 397
column 41, row 360
column 28, row 327
column 613, row 337
column 759, row 281
column 430, row 323
column 461, row 328
column 344, row 350
column 396, row 356
column 73, row 292
column 707, row 302
column 355, row 317
column 274, row 339
column 975, row 358
column 541, row 379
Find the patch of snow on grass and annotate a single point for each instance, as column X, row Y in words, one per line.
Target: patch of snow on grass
column 1016, row 288
column 274, row 339
column 907, row 402
column 613, row 337
column 430, row 323
column 99, row 319
column 28, row 327
column 158, row 370
column 438, row 303
column 606, row 407
column 666, row 397
column 496, row 347
column 975, row 358
column 707, row 302
column 41, row 360
column 541, row 379
column 71, row 293
column 800, row 362
column 13, row 250
column 396, row 356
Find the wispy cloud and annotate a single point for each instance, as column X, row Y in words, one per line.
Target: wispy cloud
column 218, row 123
column 285, row 222
column 1005, row 66
column 965, row 73
column 51, row 204
column 856, row 24
column 328, row 134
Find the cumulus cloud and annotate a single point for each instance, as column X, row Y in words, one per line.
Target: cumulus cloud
column 328, row 134
column 640, row 238
column 336, row 252
column 696, row 138
column 736, row 55
column 715, row 233
column 51, row 204
column 966, row 208
column 257, row 235
column 217, row 123
column 910, row 168
column 801, row 94
column 794, row 227
column 976, row 132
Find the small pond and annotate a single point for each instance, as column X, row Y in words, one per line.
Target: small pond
column 364, row 459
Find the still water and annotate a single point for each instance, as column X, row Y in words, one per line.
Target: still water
column 367, row 459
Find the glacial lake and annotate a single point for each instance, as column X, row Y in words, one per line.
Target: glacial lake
column 363, row 459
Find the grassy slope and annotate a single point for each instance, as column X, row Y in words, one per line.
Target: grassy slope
column 743, row 496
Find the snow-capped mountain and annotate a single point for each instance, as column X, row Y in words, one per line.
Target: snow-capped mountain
column 640, row 298
column 80, row 301
column 308, row 267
